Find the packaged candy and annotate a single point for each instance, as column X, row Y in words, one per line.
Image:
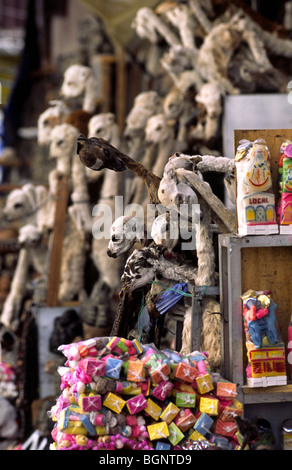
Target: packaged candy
column 89, row 402
column 161, row 372
column 153, row 409
column 162, row 390
column 204, row 383
column 135, row 371
column 226, row 390
column 175, row 434
column 162, row 446
column 285, row 188
column 187, row 400
column 209, row 405
column 185, row 372
column 265, row 348
column 196, row 436
column 137, row 404
column 158, row 431
column 115, row 395
column 203, row 424
column 169, row 413
column 225, row 428
column 93, row 366
column 113, row 368
column 114, row 402
column 230, row 413
column 185, row 420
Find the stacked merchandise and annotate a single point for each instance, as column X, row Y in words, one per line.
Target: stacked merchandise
column 265, row 348
column 285, row 187
column 255, row 200
column 119, row 394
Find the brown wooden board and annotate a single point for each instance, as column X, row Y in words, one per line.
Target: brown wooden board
column 57, row 243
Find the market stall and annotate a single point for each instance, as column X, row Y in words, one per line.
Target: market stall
column 145, row 245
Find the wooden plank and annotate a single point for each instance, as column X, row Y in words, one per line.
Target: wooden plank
column 121, row 88
column 107, row 63
column 57, row 242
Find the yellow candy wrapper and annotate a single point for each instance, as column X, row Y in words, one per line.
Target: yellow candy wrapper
column 209, row 405
column 153, row 409
column 158, row 431
column 114, row 402
column 196, row 436
column 204, row 383
column 170, row 412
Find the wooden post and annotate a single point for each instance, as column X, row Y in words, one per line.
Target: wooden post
column 107, row 62
column 57, row 242
column 121, row 88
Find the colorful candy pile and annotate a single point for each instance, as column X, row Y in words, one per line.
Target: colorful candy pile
column 117, row 393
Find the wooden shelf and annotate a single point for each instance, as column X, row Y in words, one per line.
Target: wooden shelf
column 273, row 394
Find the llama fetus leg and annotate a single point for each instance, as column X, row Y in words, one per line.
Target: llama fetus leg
column 200, row 15
column 11, row 307
column 148, row 25
column 181, row 18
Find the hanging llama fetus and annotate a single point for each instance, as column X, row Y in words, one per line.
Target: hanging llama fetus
column 285, row 187
column 255, row 201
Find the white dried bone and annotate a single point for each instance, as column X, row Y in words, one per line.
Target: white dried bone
column 199, row 9
column 63, row 150
column 216, row 52
column 180, row 64
column 125, row 231
column 150, row 26
column 103, row 125
column 218, row 164
column 52, row 116
column 80, row 82
column 181, row 18
column 165, row 230
column 160, row 132
column 11, row 308
column 30, row 204
column 32, row 254
column 211, row 97
column 176, row 194
column 73, row 250
column 73, row 262
column 146, row 104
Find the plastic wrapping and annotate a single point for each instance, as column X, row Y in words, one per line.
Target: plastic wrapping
column 255, row 200
column 265, row 348
column 121, row 394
